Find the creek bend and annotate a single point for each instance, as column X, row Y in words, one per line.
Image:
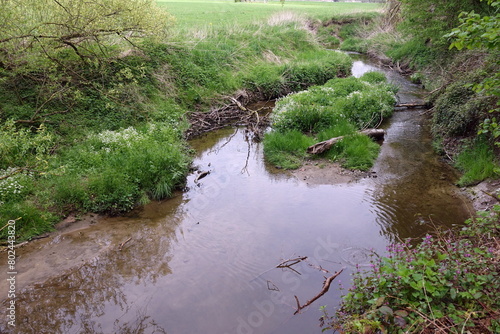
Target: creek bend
column 205, row 260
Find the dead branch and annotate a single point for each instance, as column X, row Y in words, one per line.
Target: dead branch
column 291, row 262
column 325, row 145
column 326, row 286
column 123, row 243
column 410, row 105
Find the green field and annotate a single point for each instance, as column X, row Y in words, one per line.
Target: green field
column 191, row 14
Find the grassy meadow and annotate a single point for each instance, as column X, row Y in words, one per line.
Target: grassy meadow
column 191, row 15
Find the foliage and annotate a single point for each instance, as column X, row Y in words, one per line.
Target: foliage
column 478, row 162
column 357, row 100
column 481, row 32
column 428, row 20
column 457, row 111
column 35, row 31
column 476, row 31
column 23, row 148
column 339, row 108
column 447, row 282
column 286, row 149
column 114, row 86
column 113, row 170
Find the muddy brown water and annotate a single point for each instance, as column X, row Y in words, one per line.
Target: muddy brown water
column 205, row 260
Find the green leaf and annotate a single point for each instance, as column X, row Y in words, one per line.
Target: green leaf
column 401, row 313
column 379, row 301
column 386, row 310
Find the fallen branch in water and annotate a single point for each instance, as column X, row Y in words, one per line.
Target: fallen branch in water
column 324, row 290
column 123, row 243
column 410, row 105
column 291, row 262
column 325, row 145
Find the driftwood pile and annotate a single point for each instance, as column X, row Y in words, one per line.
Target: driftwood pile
column 232, row 113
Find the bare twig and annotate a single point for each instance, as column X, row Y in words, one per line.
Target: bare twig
column 326, row 286
column 123, row 243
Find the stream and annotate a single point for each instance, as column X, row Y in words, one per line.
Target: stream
column 205, row 261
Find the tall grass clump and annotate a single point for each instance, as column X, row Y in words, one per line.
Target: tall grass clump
column 118, row 169
column 287, row 149
column 477, row 162
column 341, row 107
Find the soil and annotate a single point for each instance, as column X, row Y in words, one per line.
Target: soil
column 319, row 172
column 57, row 252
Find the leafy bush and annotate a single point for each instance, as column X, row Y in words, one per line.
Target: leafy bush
column 448, row 282
column 21, row 147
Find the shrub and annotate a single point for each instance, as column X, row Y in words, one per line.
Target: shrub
column 22, row 147
column 458, row 110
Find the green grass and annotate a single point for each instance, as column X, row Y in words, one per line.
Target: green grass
column 208, row 15
column 340, row 107
column 286, row 149
column 477, row 162
column 355, row 151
